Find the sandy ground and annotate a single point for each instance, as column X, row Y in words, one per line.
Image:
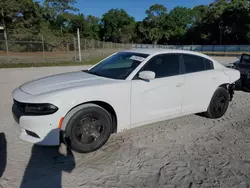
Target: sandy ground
column 191, row 151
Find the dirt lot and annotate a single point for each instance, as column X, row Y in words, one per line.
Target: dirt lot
column 186, row 152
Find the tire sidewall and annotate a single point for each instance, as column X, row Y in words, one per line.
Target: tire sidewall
column 70, row 139
column 219, row 91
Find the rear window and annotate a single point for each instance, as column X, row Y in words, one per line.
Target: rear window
column 195, row 63
column 208, row 64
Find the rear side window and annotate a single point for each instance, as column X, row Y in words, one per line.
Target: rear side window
column 163, row 65
column 208, row 64
column 195, row 63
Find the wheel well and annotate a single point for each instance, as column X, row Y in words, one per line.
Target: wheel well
column 107, row 107
column 224, row 85
column 229, row 88
column 110, row 109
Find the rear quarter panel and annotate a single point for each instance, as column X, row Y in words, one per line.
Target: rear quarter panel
column 232, row 74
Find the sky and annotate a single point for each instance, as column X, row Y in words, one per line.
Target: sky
column 135, row 8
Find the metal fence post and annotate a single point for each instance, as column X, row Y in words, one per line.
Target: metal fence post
column 6, row 44
column 79, row 45
column 75, row 51
column 85, row 44
column 5, row 36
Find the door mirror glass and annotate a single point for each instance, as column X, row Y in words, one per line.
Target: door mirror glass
column 147, row 75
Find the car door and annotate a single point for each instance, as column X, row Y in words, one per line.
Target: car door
column 161, row 97
column 200, row 83
column 244, row 64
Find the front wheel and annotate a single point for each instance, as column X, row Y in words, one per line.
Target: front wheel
column 219, row 104
column 88, row 129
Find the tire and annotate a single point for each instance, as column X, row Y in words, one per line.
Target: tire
column 88, row 129
column 218, row 104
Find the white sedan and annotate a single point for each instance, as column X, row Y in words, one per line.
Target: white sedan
column 125, row 90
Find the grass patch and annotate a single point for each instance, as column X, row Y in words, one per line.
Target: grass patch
column 49, row 64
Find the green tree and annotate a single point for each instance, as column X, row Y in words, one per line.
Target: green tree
column 178, row 22
column 236, row 22
column 91, row 28
column 214, row 24
column 152, row 27
column 60, row 6
column 115, row 24
column 57, row 12
column 17, row 15
column 198, row 13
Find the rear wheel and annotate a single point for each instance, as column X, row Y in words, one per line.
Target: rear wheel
column 88, row 129
column 219, row 104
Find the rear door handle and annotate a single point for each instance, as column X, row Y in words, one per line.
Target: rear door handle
column 214, row 78
column 179, row 84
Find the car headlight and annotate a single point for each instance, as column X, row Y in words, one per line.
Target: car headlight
column 40, row 109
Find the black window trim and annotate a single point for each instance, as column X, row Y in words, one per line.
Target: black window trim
column 183, row 64
column 181, row 67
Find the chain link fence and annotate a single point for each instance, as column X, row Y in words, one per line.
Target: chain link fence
column 25, row 48
column 36, row 49
column 219, row 50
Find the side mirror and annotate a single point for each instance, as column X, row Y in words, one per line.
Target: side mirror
column 147, row 75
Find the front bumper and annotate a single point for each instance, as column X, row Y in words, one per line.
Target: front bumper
column 40, row 130
column 51, row 139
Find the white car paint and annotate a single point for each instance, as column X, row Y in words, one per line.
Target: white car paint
column 135, row 102
column 150, row 99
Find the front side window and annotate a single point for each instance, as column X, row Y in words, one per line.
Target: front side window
column 163, row 65
column 119, row 65
column 195, row 63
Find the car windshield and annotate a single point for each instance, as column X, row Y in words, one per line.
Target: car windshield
column 119, row 65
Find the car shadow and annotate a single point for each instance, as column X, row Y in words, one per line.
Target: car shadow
column 45, row 167
column 3, row 153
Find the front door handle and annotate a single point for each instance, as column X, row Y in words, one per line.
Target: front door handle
column 179, row 84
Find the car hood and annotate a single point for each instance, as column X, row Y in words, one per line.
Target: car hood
column 62, row 81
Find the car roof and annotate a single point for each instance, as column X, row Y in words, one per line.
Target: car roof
column 155, row 51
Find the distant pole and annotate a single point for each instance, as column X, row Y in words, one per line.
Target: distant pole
column 6, row 42
column 43, row 47
column 79, row 45
column 5, row 35
column 75, row 48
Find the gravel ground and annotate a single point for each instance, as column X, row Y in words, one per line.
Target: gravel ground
column 191, row 151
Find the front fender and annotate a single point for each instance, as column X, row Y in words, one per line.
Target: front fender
column 117, row 96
